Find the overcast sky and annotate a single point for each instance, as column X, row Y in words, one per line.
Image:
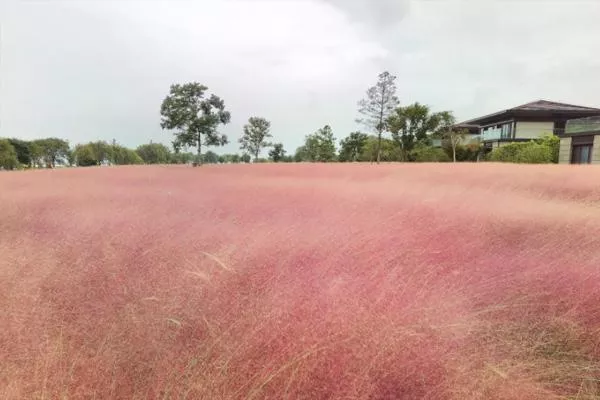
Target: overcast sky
column 88, row 70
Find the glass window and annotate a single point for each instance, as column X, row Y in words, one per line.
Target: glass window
column 582, row 154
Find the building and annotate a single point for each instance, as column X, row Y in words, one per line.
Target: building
column 580, row 143
column 525, row 122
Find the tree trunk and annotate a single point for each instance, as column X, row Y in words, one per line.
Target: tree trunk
column 379, row 148
column 200, row 151
column 454, row 153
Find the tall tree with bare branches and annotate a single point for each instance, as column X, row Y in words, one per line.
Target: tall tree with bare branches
column 378, row 105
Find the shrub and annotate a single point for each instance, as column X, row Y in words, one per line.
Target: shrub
column 429, row 154
column 540, row 151
column 534, row 153
column 553, row 143
column 464, row 153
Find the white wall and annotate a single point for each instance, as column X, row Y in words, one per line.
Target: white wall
column 532, row 130
column 596, row 150
column 564, row 157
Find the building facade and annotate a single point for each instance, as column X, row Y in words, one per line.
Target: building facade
column 580, row 143
column 526, row 122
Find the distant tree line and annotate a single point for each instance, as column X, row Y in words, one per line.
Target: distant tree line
column 411, row 133
column 194, row 117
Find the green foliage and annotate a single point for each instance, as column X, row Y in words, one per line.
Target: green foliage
column 8, row 155
column 425, row 153
column 52, row 150
column 318, row 147
column 102, row 151
column 256, row 133
column 464, row 153
column 388, row 152
column 353, row 146
column 71, row 157
column 95, row 153
column 413, row 124
column 539, row 151
column 534, row 153
column 300, row 154
column 23, row 150
column 379, row 104
column 553, row 143
column 210, row 158
column 194, row 118
column 84, row 155
column 154, row 153
column 245, row 158
column 278, row 153
column 124, row 156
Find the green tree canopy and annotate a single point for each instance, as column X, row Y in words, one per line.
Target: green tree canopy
column 194, row 117
column 412, row 124
column 318, row 147
column 93, row 153
column 353, row 146
column 124, row 156
column 210, row 158
column 84, row 155
column 8, row 155
column 278, row 153
column 24, row 151
column 256, row 133
column 154, row 153
column 52, row 149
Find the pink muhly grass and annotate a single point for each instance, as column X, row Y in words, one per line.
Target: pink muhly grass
column 301, row 282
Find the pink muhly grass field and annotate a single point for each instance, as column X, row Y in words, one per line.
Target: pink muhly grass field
column 301, row 282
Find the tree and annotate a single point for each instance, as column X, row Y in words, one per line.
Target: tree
column 245, row 158
column 8, row 155
column 412, row 124
column 256, row 133
column 53, row 149
column 300, row 154
column 124, row 156
column 352, row 146
column 154, row 153
column 71, row 158
column 23, row 150
column 318, row 147
column 84, row 155
column 452, row 136
column 194, row 118
column 102, row 151
column 93, row 153
column 379, row 104
column 210, row 158
column 278, row 153
column 36, row 154
column 389, row 151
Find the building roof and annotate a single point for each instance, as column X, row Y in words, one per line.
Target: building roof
column 545, row 105
column 540, row 107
